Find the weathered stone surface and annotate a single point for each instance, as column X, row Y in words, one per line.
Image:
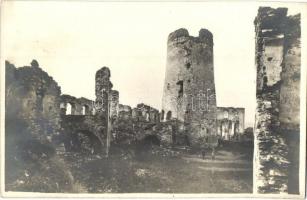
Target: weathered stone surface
column 78, row 106
column 102, row 90
column 114, row 104
column 33, row 96
column 144, row 112
column 32, row 124
column 277, row 114
column 83, row 133
column 189, row 89
column 230, row 122
column 124, row 112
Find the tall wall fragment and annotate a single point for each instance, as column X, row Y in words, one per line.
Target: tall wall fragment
column 277, row 115
column 33, row 97
column 103, row 88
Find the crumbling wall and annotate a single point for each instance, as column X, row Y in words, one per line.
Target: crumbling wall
column 114, row 104
column 103, row 88
column 32, row 126
column 289, row 108
column 78, row 106
column 276, row 151
column 147, row 113
column 230, row 122
column 124, row 111
column 34, row 97
column 189, row 88
column 82, row 133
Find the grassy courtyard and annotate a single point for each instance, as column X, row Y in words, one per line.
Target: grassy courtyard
column 164, row 170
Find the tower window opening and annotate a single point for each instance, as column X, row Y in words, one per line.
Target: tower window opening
column 180, row 91
column 188, row 65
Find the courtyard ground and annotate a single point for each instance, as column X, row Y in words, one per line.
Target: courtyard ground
column 164, row 170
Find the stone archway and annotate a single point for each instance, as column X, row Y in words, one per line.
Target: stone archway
column 86, row 142
column 151, row 140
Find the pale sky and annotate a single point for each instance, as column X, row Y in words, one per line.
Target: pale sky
column 72, row 40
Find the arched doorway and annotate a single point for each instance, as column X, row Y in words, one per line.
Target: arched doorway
column 85, row 141
column 151, row 140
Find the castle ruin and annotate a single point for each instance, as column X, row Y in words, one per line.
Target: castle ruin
column 189, row 88
column 230, row 122
column 278, row 54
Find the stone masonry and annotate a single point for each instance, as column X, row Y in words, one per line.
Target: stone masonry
column 230, row 122
column 278, row 63
column 189, row 88
column 33, row 97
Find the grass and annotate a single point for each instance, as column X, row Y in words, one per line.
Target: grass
column 130, row 170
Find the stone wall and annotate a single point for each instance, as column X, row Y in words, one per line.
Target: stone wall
column 82, row 133
column 144, row 112
column 230, row 122
column 77, row 106
column 114, row 104
column 103, row 91
column 34, row 97
column 32, row 128
column 189, row 88
column 277, row 115
column 124, row 111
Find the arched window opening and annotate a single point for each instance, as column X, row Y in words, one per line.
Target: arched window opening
column 85, row 110
column 68, row 109
column 162, row 115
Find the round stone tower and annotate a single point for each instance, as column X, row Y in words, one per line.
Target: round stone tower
column 189, row 89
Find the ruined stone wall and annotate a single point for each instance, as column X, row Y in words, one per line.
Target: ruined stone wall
column 230, row 122
column 32, row 130
column 114, row 104
column 33, row 97
column 145, row 113
column 124, row 111
column 103, row 89
column 78, row 106
column 290, row 86
column 82, row 133
column 276, row 145
column 189, row 88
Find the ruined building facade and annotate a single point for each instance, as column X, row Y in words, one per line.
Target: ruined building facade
column 230, row 122
column 147, row 113
column 32, row 96
column 189, row 88
column 278, row 54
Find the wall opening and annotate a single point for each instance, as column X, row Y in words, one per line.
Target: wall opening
column 162, row 115
column 265, row 81
column 169, row 115
column 147, row 117
column 188, row 65
column 85, row 110
column 151, row 140
column 180, row 91
column 68, row 109
column 86, row 142
column 168, row 86
column 236, row 128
